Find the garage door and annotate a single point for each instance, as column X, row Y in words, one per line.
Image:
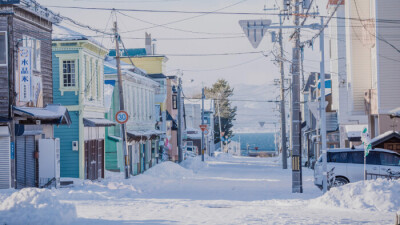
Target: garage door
column 5, row 166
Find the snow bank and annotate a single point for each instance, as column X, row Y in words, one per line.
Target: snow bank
column 169, row 170
column 194, row 163
column 223, row 156
column 374, row 195
column 35, row 206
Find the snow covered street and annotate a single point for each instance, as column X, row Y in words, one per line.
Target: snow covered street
column 224, row 190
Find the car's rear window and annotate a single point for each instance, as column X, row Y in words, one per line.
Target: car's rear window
column 388, row 159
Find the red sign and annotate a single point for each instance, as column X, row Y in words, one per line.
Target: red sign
column 121, row 117
column 203, row 127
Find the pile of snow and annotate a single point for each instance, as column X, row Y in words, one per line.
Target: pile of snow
column 223, row 156
column 169, row 170
column 374, row 195
column 35, row 206
column 194, row 163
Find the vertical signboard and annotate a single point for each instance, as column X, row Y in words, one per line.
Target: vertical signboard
column 24, row 74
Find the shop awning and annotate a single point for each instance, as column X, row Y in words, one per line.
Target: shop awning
column 98, row 122
column 353, row 132
column 51, row 114
column 137, row 135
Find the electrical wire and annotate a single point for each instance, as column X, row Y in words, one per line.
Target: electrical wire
column 178, row 21
column 227, row 67
column 376, row 36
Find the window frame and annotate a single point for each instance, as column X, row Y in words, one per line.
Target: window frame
column 74, row 73
column 6, row 47
column 61, row 59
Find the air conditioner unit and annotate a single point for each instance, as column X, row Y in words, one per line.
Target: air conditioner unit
column 49, row 162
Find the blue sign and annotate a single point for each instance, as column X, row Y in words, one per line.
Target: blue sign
column 5, row 2
column 12, row 150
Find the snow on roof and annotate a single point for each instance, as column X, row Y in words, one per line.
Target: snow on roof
column 98, row 122
column 62, row 33
column 395, row 112
column 381, row 136
column 145, row 133
column 193, row 133
column 111, row 63
column 50, row 112
column 208, row 103
column 354, row 130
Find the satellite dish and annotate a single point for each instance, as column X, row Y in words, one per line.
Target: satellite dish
column 261, row 124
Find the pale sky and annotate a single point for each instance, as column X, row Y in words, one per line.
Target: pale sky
column 251, row 75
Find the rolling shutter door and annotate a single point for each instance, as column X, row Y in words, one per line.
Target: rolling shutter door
column 26, row 163
column 5, row 165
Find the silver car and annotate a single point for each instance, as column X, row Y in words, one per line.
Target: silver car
column 347, row 165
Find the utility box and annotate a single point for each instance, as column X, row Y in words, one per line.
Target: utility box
column 49, row 163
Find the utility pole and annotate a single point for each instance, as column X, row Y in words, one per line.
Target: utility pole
column 283, row 112
column 322, row 106
column 180, row 127
column 121, row 100
column 219, row 123
column 297, row 186
column 202, row 123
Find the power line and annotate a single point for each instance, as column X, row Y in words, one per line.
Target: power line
column 238, row 100
column 160, row 11
column 171, row 28
column 227, row 67
column 177, row 21
column 215, row 54
column 205, row 12
column 376, row 36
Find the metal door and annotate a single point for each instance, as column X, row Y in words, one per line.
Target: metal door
column 26, row 162
column 5, row 165
column 94, row 159
column 87, row 159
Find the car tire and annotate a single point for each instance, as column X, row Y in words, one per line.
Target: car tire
column 340, row 181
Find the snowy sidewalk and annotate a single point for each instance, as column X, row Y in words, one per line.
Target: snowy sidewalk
column 224, row 190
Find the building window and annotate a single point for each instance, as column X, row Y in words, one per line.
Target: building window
column 34, row 44
column 174, row 102
column 3, row 48
column 69, row 73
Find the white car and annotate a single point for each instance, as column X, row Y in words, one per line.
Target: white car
column 347, row 165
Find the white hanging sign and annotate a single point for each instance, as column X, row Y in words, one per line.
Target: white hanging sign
column 25, row 73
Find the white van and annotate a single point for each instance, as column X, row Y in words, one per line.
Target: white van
column 347, row 165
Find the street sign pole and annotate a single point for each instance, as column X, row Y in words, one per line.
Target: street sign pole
column 323, row 110
column 121, row 101
column 283, row 111
column 202, row 123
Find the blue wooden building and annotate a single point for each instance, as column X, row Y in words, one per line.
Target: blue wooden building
column 78, row 81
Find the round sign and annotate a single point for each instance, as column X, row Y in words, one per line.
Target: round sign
column 206, row 132
column 121, row 117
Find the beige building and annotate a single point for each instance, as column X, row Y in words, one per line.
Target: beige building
column 366, row 77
